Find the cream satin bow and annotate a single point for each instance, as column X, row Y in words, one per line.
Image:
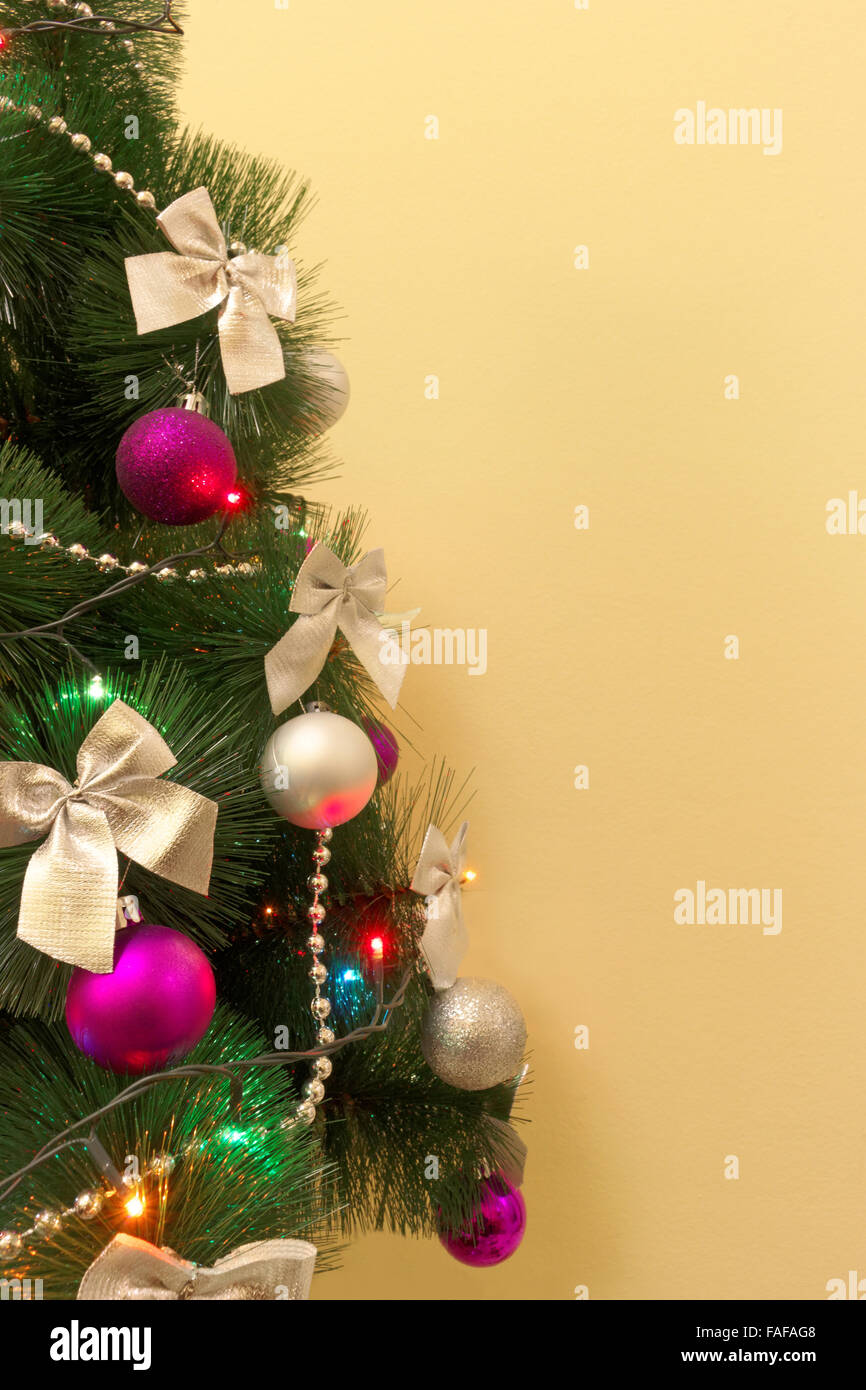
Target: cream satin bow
column 136, row 1271
column 69, row 896
column 167, row 289
column 328, row 595
column 437, row 876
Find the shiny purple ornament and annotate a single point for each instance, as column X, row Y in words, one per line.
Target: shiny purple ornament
column 495, row 1228
column 176, row 466
column 151, row 1010
column 387, row 749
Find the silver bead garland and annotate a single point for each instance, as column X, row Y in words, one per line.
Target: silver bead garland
column 82, row 142
column 87, row 1206
column 320, row 1005
column 16, row 530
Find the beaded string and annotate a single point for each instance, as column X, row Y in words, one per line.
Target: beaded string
column 46, row 540
column 101, row 162
column 320, row 1007
column 87, row 1205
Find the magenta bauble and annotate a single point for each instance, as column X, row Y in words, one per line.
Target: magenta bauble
column 151, row 1010
column 387, row 749
column 176, row 466
column 495, row 1228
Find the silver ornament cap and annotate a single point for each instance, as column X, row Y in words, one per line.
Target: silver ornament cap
column 319, row 770
column 473, row 1034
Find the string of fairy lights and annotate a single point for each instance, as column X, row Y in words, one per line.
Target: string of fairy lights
column 83, row 20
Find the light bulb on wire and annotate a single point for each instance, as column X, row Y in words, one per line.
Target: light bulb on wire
column 134, row 1205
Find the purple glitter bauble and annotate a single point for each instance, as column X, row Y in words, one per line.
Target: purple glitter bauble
column 151, row 1010
column 387, row 749
column 495, row 1228
column 176, row 466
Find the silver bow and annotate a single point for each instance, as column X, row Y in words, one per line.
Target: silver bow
column 120, row 801
column 329, row 595
column 437, row 876
column 167, row 289
column 136, row 1271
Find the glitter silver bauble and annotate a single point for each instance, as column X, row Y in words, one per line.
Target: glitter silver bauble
column 473, row 1034
column 10, row 1245
column 88, row 1205
column 319, row 770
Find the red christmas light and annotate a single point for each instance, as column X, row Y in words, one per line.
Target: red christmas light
column 376, row 947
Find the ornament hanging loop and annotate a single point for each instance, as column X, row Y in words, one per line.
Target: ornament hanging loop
column 194, row 400
column 128, row 911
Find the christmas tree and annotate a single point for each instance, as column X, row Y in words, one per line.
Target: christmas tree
column 230, row 930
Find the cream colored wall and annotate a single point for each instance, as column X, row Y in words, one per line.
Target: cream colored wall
column 605, row 387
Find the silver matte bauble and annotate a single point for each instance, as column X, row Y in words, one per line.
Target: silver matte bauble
column 473, row 1034
column 319, row 770
column 329, row 394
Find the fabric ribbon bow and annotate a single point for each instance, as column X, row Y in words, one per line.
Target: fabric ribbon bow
column 133, row 1269
column 437, row 877
column 328, row 595
column 69, row 896
column 167, row 289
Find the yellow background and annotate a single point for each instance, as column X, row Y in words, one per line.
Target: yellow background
column 707, row 518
